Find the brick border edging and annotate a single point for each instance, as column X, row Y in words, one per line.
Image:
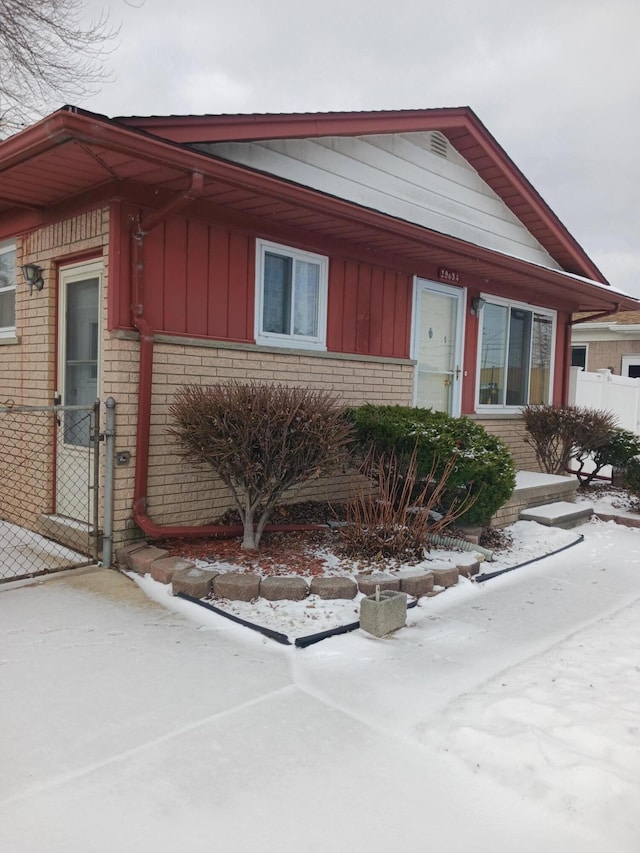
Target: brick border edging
column 186, row 577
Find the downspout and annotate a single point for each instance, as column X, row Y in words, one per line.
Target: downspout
column 145, row 379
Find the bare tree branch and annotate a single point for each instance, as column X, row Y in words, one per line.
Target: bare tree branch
column 48, row 56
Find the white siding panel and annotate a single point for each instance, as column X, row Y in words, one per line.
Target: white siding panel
column 397, row 175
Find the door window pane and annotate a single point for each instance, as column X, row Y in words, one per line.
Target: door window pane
column 81, row 357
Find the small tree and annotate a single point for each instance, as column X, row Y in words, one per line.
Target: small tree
column 620, row 447
column 261, row 440
column 557, row 432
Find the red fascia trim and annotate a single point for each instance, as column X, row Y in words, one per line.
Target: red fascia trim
column 66, row 125
column 244, row 128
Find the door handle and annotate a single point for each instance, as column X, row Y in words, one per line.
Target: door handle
column 457, row 373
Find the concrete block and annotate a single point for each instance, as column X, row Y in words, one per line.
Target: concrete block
column 237, row 586
column 194, row 582
column 123, row 553
column 385, row 615
column 283, row 588
column 140, row 561
column 469, row 570
column 445, row 577
column 334, row 587
column 367, row 583
column 417, row 585
column 164, row 569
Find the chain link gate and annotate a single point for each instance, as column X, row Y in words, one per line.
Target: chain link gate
column 49, row 488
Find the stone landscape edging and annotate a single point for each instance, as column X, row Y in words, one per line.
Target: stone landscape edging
column 186, row 577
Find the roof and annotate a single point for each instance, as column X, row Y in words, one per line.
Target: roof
column 73, row 158
column 460, row 125
column 623, row 318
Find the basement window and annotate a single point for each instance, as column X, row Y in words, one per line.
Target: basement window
column 291, row 297
column 7, row 290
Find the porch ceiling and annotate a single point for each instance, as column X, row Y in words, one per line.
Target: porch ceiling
column 68, row 156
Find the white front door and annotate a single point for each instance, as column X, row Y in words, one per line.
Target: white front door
column 78, row 384
column 438, row 328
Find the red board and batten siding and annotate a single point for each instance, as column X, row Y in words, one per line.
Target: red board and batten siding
column 199, row 281
column 369, row 310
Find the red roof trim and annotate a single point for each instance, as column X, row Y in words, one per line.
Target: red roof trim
column 65, row 126
column 460, row 124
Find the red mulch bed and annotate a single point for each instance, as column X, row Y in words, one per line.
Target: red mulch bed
column 279, row 554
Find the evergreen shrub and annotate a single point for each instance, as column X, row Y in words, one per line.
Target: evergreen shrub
column 483, row 466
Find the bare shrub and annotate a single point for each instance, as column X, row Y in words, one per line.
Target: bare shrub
column 261, row 440
column 392, row 517
column 558, row 433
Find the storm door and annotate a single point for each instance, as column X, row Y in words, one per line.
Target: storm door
column 78, row 385
column 437, row 346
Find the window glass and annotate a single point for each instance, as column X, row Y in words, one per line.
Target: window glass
column 276, row 316
column 515, row 356
column 540, row 384
column 519, row 351
column 7, row 288
column 81, row 356
column 579, row 357
column 306, row 299
column 493, row 354
column 291, row 297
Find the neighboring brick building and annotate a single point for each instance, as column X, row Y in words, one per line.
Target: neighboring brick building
column 392, row 257
column 611, row 342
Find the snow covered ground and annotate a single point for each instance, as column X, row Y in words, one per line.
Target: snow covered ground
column 504, row 717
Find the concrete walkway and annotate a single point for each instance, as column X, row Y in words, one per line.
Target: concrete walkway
column 128, row 727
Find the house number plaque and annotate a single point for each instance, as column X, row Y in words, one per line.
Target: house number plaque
column 448, row 275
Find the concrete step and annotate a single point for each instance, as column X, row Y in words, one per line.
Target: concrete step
column 559, row 514
column 534, row 489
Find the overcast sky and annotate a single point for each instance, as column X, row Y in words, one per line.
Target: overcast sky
column 557, row 82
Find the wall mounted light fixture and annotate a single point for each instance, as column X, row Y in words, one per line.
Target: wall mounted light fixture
column 476, row 305
column 33, row 276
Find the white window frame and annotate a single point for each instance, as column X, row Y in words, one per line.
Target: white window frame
column 9, row 331
column 318, row 342
column 487, row 408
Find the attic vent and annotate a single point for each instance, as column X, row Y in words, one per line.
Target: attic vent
column 439, row 144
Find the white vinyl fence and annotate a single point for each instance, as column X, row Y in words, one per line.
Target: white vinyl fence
column 605, row 390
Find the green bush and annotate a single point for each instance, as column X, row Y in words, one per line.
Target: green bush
column 620, row 447
column 632, row 476
column 484, row 467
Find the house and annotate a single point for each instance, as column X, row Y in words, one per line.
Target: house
column 608, row 343
column 394, row 257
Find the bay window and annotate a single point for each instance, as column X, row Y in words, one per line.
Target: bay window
column 515, row 354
